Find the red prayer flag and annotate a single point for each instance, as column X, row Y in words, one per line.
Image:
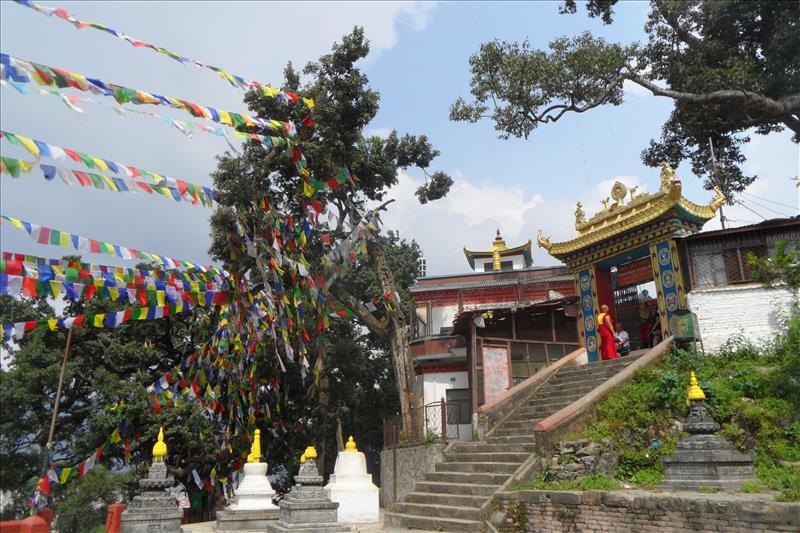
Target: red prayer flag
column 44, row 485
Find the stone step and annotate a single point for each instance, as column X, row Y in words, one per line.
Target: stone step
column 458, row 500
column 518, row 423
column 559, row 385
column 513, row 439
column 503, row 431
column 482, row 478
column 497, row 468
column 593, row 369
column 568, row 388
column 554, row 400
column 429, row 523
column 461, row 489
column 438, row 511
column 485, row 447
column 537, row 411
column 487, row 457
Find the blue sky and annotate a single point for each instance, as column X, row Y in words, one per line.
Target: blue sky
column 419, row 64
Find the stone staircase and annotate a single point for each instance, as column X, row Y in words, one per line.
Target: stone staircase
column 455, row 495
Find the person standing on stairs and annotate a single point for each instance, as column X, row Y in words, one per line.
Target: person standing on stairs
column 608, row 341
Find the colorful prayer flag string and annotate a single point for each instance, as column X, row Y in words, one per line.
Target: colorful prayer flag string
column 45, row 235
column 23, row 71
column 17, row 330
column 17, row 167
column 190, row 191
column 236, row 81
column 184, row 126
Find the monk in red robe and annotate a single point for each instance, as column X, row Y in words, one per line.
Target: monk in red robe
column 608, row 341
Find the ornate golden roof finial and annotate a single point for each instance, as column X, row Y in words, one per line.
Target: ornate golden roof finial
column 160, row 448
column 351, row 445
column 696, row 394
column 303, row 458
column 255, row 449
column 580, row 216
column 605, row 203
column 632, row 191
column 543, row 242
column 618, row 193
column 668, row 175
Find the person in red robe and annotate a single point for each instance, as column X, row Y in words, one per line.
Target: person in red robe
column 608, row 340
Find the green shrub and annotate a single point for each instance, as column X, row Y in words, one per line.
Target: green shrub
column 750, row 487
column 594, row 482
column 647, row 478
column 707, row 490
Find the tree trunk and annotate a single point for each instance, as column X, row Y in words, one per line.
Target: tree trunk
column 398, row 333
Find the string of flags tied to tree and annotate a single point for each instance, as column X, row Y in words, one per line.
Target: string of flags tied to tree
column 184, row 126
column 274, row 309
column 236, row 81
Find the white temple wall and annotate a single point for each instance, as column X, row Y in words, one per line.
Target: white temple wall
column 751, row 310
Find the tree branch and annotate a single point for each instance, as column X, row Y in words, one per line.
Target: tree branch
column 377, row 327
column 783, row 106
column 680, row 31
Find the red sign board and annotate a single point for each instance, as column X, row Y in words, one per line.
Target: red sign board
column 635, row 273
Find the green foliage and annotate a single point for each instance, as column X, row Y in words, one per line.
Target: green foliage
column 85, row 506
column 729, row 67
column 782, row 267
column 751, row 487
column 707, row 490
column 566, row 513
column 647, row 478
column 593, row 482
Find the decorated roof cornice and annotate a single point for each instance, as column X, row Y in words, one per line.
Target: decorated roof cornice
column 617, row 217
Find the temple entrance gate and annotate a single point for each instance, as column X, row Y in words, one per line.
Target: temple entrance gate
column 636, row 230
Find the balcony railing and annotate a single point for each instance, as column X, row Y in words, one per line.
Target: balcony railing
column 437, row 421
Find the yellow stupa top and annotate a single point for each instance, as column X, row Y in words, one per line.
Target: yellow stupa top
column 696, row 394
column 255, row 449
column 351, row 445
column 310, row 453
column 159, row 448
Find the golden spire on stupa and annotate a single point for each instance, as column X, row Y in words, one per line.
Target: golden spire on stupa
column 160, row 447
column 255, row 449
column 696, row 394
column 351, row 445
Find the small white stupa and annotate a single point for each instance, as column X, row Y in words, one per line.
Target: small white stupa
column 254, row 492
column 351, row 486
column 252, row 507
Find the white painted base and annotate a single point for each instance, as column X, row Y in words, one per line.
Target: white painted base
column 254, row 492
column 351, row 487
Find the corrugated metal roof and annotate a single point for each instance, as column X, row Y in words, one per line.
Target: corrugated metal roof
column 494, row 283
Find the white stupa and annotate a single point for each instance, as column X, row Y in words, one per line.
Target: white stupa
column 252, row 507
column 254, row 492
column 351, row 486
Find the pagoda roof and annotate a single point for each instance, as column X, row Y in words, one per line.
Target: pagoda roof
column 499, row 247
column 620, row 217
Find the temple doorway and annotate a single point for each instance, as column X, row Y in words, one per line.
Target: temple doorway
column 635, row 305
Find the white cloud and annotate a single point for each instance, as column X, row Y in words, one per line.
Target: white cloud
column 469, row 216
column 635, row 90
column 378, row 132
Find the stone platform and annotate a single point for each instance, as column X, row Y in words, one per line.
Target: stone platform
column 245, row 520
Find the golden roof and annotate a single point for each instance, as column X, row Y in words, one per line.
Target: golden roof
column 618, row 217
column 500, row 249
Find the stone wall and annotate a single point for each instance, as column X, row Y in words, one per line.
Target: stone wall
column 724, row 311
column 634, row 511
column 412, row 464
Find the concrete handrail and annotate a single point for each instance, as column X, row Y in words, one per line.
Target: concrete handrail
column 538, row 377
column 595, row 394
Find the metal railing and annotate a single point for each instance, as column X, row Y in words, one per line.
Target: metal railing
column 436, row 421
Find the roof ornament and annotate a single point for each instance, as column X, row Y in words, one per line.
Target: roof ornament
column 580, row 216
column 618, row 193
column 668, row 176
column 543, row 242
column 719, row 199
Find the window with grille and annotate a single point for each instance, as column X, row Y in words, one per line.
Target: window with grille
column 724, row 267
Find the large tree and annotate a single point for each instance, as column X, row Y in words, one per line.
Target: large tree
column 729, row 66
column 344, row 106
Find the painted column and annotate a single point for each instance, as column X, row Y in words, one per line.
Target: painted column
column 669, row 281
column 586, row 289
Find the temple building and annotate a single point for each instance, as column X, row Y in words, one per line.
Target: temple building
column 477, row 334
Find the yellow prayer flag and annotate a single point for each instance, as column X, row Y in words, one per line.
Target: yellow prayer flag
column 65, row 472
column 113, row 293
column 160, row 298
column 55, row 288
column 98, row 320
column 17, row 223
column 143, row 313
column 308, row 190
column 115, row 438
column 108, row 181
column 52, row 323
column 225, row 117
column 25, row 167
column 309, row 103
column 99, row 163
column 65, row 240
column 29, row 145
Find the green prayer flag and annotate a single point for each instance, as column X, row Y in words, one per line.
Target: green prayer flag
column 12, row 166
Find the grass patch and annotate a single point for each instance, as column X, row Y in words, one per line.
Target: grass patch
column 752, row 392
column 707, row 490
column 751, row 487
